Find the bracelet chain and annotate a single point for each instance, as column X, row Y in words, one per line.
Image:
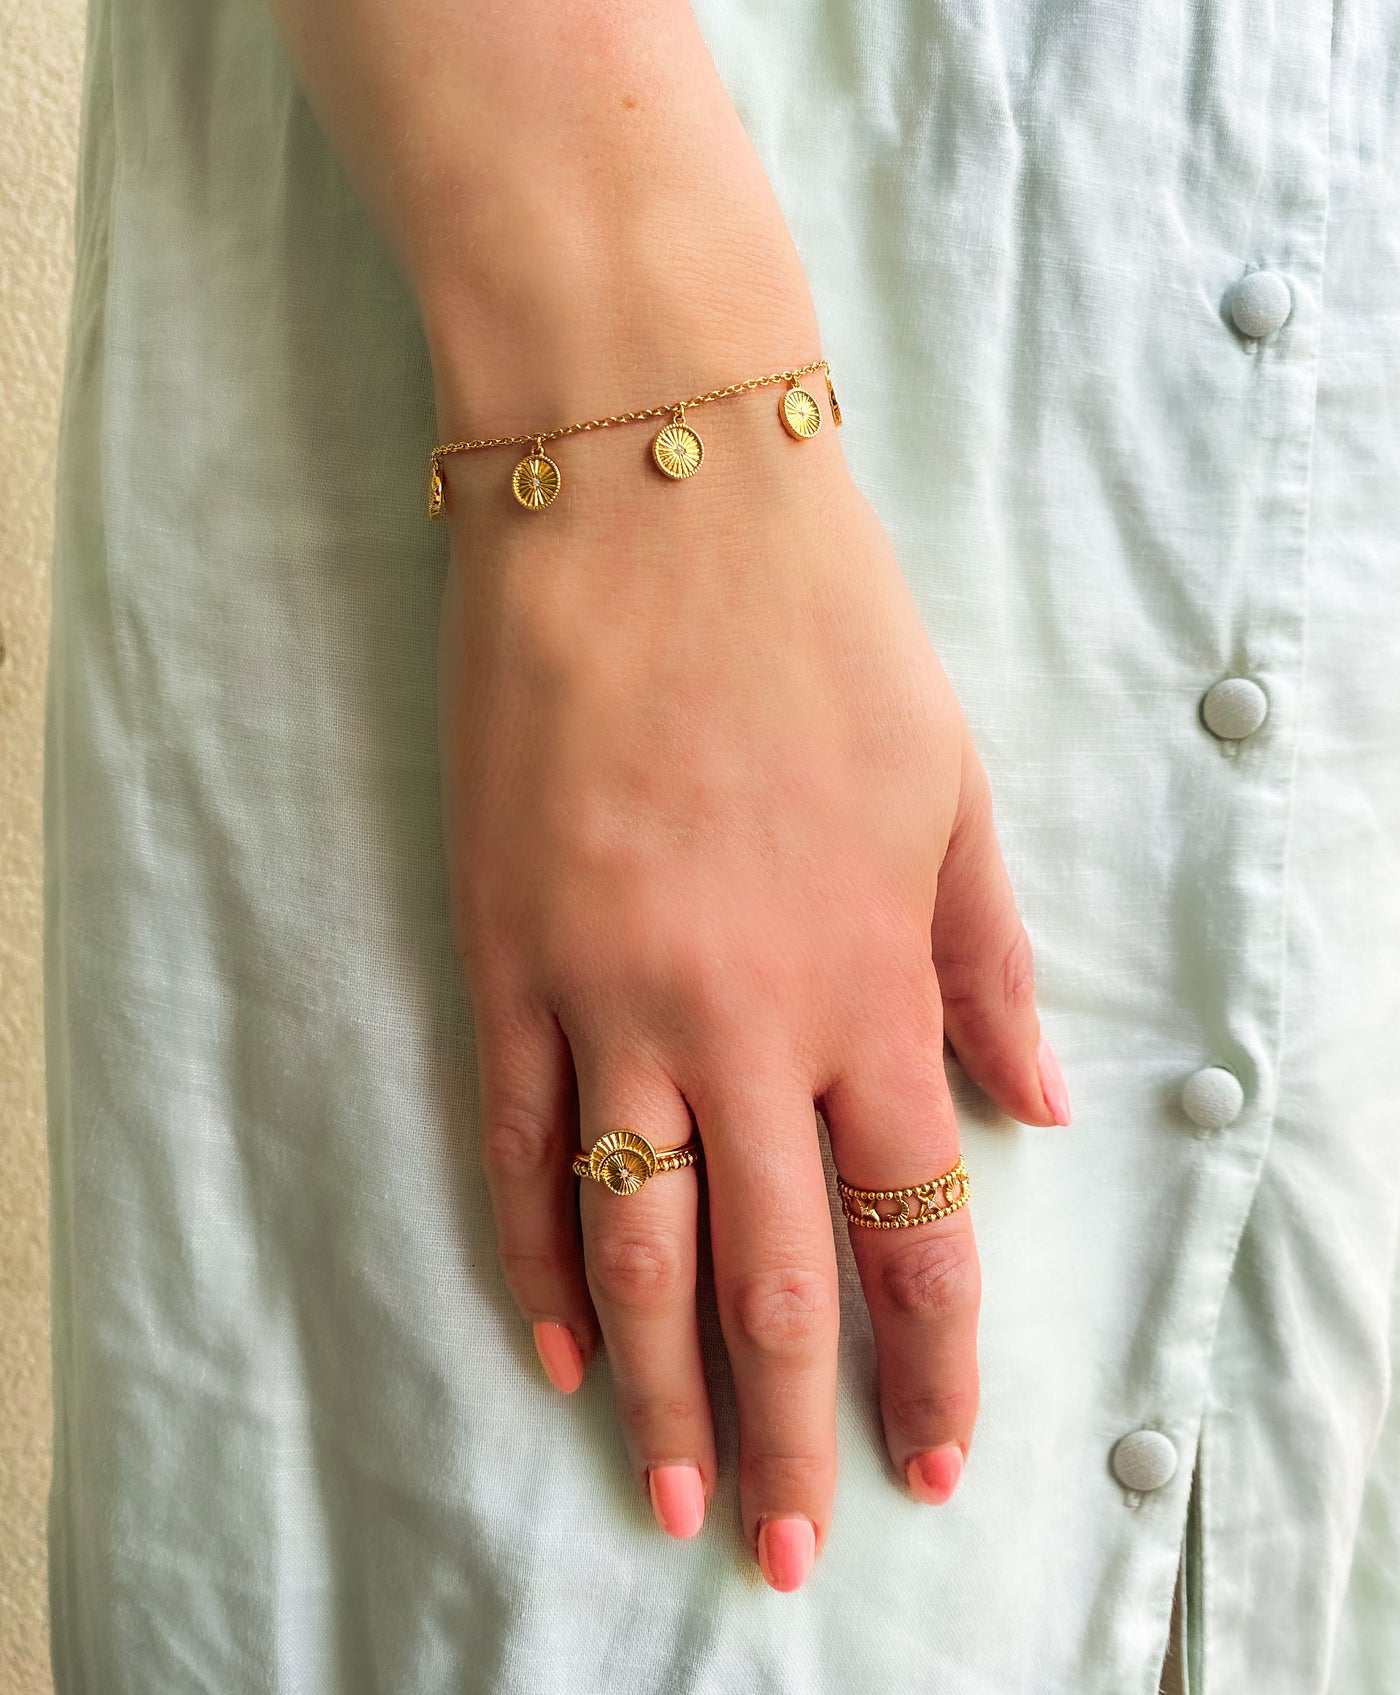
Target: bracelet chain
column 631, row 417
column 677, row 449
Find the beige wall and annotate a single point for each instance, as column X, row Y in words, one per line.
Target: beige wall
column 41, row 45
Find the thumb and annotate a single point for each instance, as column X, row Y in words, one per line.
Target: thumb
column 986, row 971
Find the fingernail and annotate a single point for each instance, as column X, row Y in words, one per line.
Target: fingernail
column 1052, row 1083
column 677, row 1498
column 934, row 1476
column 559, row 1355
column 786, row 1549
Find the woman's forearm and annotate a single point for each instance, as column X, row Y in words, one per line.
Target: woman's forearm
column 568, row 192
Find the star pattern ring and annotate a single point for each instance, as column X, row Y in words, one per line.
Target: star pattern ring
column 624, row 1160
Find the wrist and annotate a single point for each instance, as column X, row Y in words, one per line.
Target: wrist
column 582, row 319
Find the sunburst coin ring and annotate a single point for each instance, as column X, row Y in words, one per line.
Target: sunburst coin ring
column 677, row 450
column 800, row 413
column 622, row 1161
column 536, row 481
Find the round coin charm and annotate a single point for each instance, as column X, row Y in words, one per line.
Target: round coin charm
column 677, row 450
column 535, row 481
column 800, row 414
column 622, row 1161
column 835, row 403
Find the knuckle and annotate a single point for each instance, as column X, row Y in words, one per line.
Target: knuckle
column 785, row 1477
column 677, row 981
column 570, row 963
column 699, row 975
column 660, row 1413
column 934, row 1276
column 517, row 1144
column 784, row 1312
column 934, row 1412
column 529, row 1271
column 637, row 1269
column 721, row 984
column 709, row 993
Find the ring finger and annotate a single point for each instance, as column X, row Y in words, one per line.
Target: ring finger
column 892, row 1124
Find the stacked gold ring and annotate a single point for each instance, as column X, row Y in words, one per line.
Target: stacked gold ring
column 917, row 1204
column 624, row 1160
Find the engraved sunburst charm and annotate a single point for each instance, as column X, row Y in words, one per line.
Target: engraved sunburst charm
column 677, row 450
column 535, row 481
column 622, row 1161
column 800, row 413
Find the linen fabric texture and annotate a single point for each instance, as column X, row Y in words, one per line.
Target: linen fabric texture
column 302, row 1442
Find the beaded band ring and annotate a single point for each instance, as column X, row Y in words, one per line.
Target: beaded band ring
column 918, row 1204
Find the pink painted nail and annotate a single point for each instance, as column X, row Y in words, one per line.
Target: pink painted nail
column 1052, row 1083
column 786, row 1549
column 934, row 1476
column 677, row 1498
column 559, row 1355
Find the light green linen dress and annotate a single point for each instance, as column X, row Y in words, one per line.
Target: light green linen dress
column 1111, row 294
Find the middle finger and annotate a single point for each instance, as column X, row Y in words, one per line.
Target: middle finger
column 775, row 1282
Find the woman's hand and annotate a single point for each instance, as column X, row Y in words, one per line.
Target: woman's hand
column 703, row 774
column 720, row 847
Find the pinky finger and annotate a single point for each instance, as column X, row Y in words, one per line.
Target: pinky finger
column 528, row 1139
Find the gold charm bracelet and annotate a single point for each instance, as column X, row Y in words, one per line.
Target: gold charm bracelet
column 676, row 450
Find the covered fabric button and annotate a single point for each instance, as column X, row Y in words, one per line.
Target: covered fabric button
column 1212, row 1097
column 1234, row 708
column 1259, row 303
column 1144, row 1459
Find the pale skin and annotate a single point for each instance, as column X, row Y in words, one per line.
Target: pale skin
column 721, row 850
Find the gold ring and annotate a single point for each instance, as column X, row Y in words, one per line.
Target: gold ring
column 862, row 1206
column 623, row 1160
